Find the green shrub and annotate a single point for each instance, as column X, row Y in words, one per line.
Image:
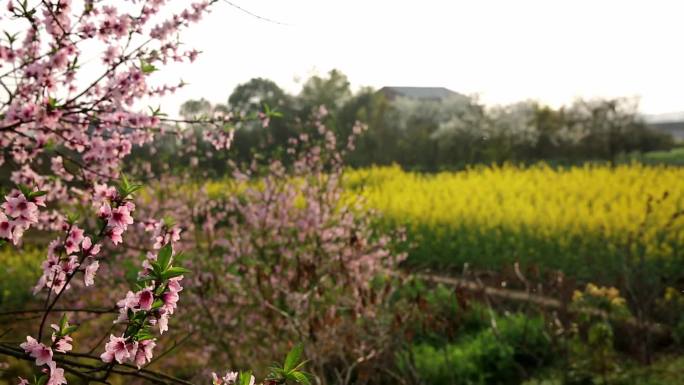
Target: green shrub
column 507, row 355
column 665, row 371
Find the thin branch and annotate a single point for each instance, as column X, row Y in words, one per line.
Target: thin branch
column 169, row 350
column 73, row 310
column 121, row 369
column 253, row 14
column 102, row 339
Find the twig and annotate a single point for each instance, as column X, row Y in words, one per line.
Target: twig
column 253, row 14
column 73, row 310
column 121, row 369
column 169, row 350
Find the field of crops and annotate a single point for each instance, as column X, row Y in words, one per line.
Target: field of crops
column 673, row 157
column 587, row 221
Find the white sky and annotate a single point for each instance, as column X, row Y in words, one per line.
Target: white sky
column 505, row 51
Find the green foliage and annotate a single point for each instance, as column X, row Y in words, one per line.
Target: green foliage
column 164, row 257
column 431, row 135
column 146, row 67
column 439, row 317
column 427, row 134
column 293, row 357
column 507, row 355
column 672, row 157
column 666, row 370
column 161, row 268
column 125, row 188
column 591, row 343
column 64, row 328
column 19, row 270
column 290, row 371
column 678, row 332
column 587, row 258
column 29, row 193
column 245, row 378
column 331, row 91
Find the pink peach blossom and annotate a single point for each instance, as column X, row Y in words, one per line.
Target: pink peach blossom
column 40, row 352
column 56, row 375
column 116, row 349
column 89, row 273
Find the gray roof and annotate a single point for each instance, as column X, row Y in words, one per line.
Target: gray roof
column 670, row 123
column 665, row 118
column 433, row 93
column 676, row 129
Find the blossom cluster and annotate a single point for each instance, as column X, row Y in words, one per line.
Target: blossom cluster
column 65, row 132
column 78, row 252
column 163, row 233
column 122, row 349
column 53, row 111
column 152, row 305
column 230, row 378
column 82, row 127
column 18, row 214
column 43, row 355
column 277, row 239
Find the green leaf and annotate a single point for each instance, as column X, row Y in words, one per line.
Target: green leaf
column 156, row 271
column 276, row 371
column 24, row 189
column 157, row 111
column 174, row 272
column 157, row 304
column 139, row 316
column 301, row 364
column 35, row 194
column 271, row 113
column 164, row 257
column 42, row 380
column 70, row 330
column 146, row 67
column 168, row 221
column 144, row 335
column 133, row 188
column 299, row 377
column 63, row 322
column 125, row 187
column 160, row 290
column 11, row 38
column 124, row 182
column 245, row 377
column 143, row 280
column 72, row 218
column 293, row 357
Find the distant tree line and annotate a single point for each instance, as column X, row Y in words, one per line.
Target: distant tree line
column 432, row 135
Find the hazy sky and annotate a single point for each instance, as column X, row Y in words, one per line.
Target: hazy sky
column 505, row 51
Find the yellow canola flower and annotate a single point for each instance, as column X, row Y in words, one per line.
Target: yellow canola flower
column 558, row 204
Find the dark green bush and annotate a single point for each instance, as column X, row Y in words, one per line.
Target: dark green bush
column 505, row 355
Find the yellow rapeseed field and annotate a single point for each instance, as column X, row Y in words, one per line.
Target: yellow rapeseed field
column 536, row 213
